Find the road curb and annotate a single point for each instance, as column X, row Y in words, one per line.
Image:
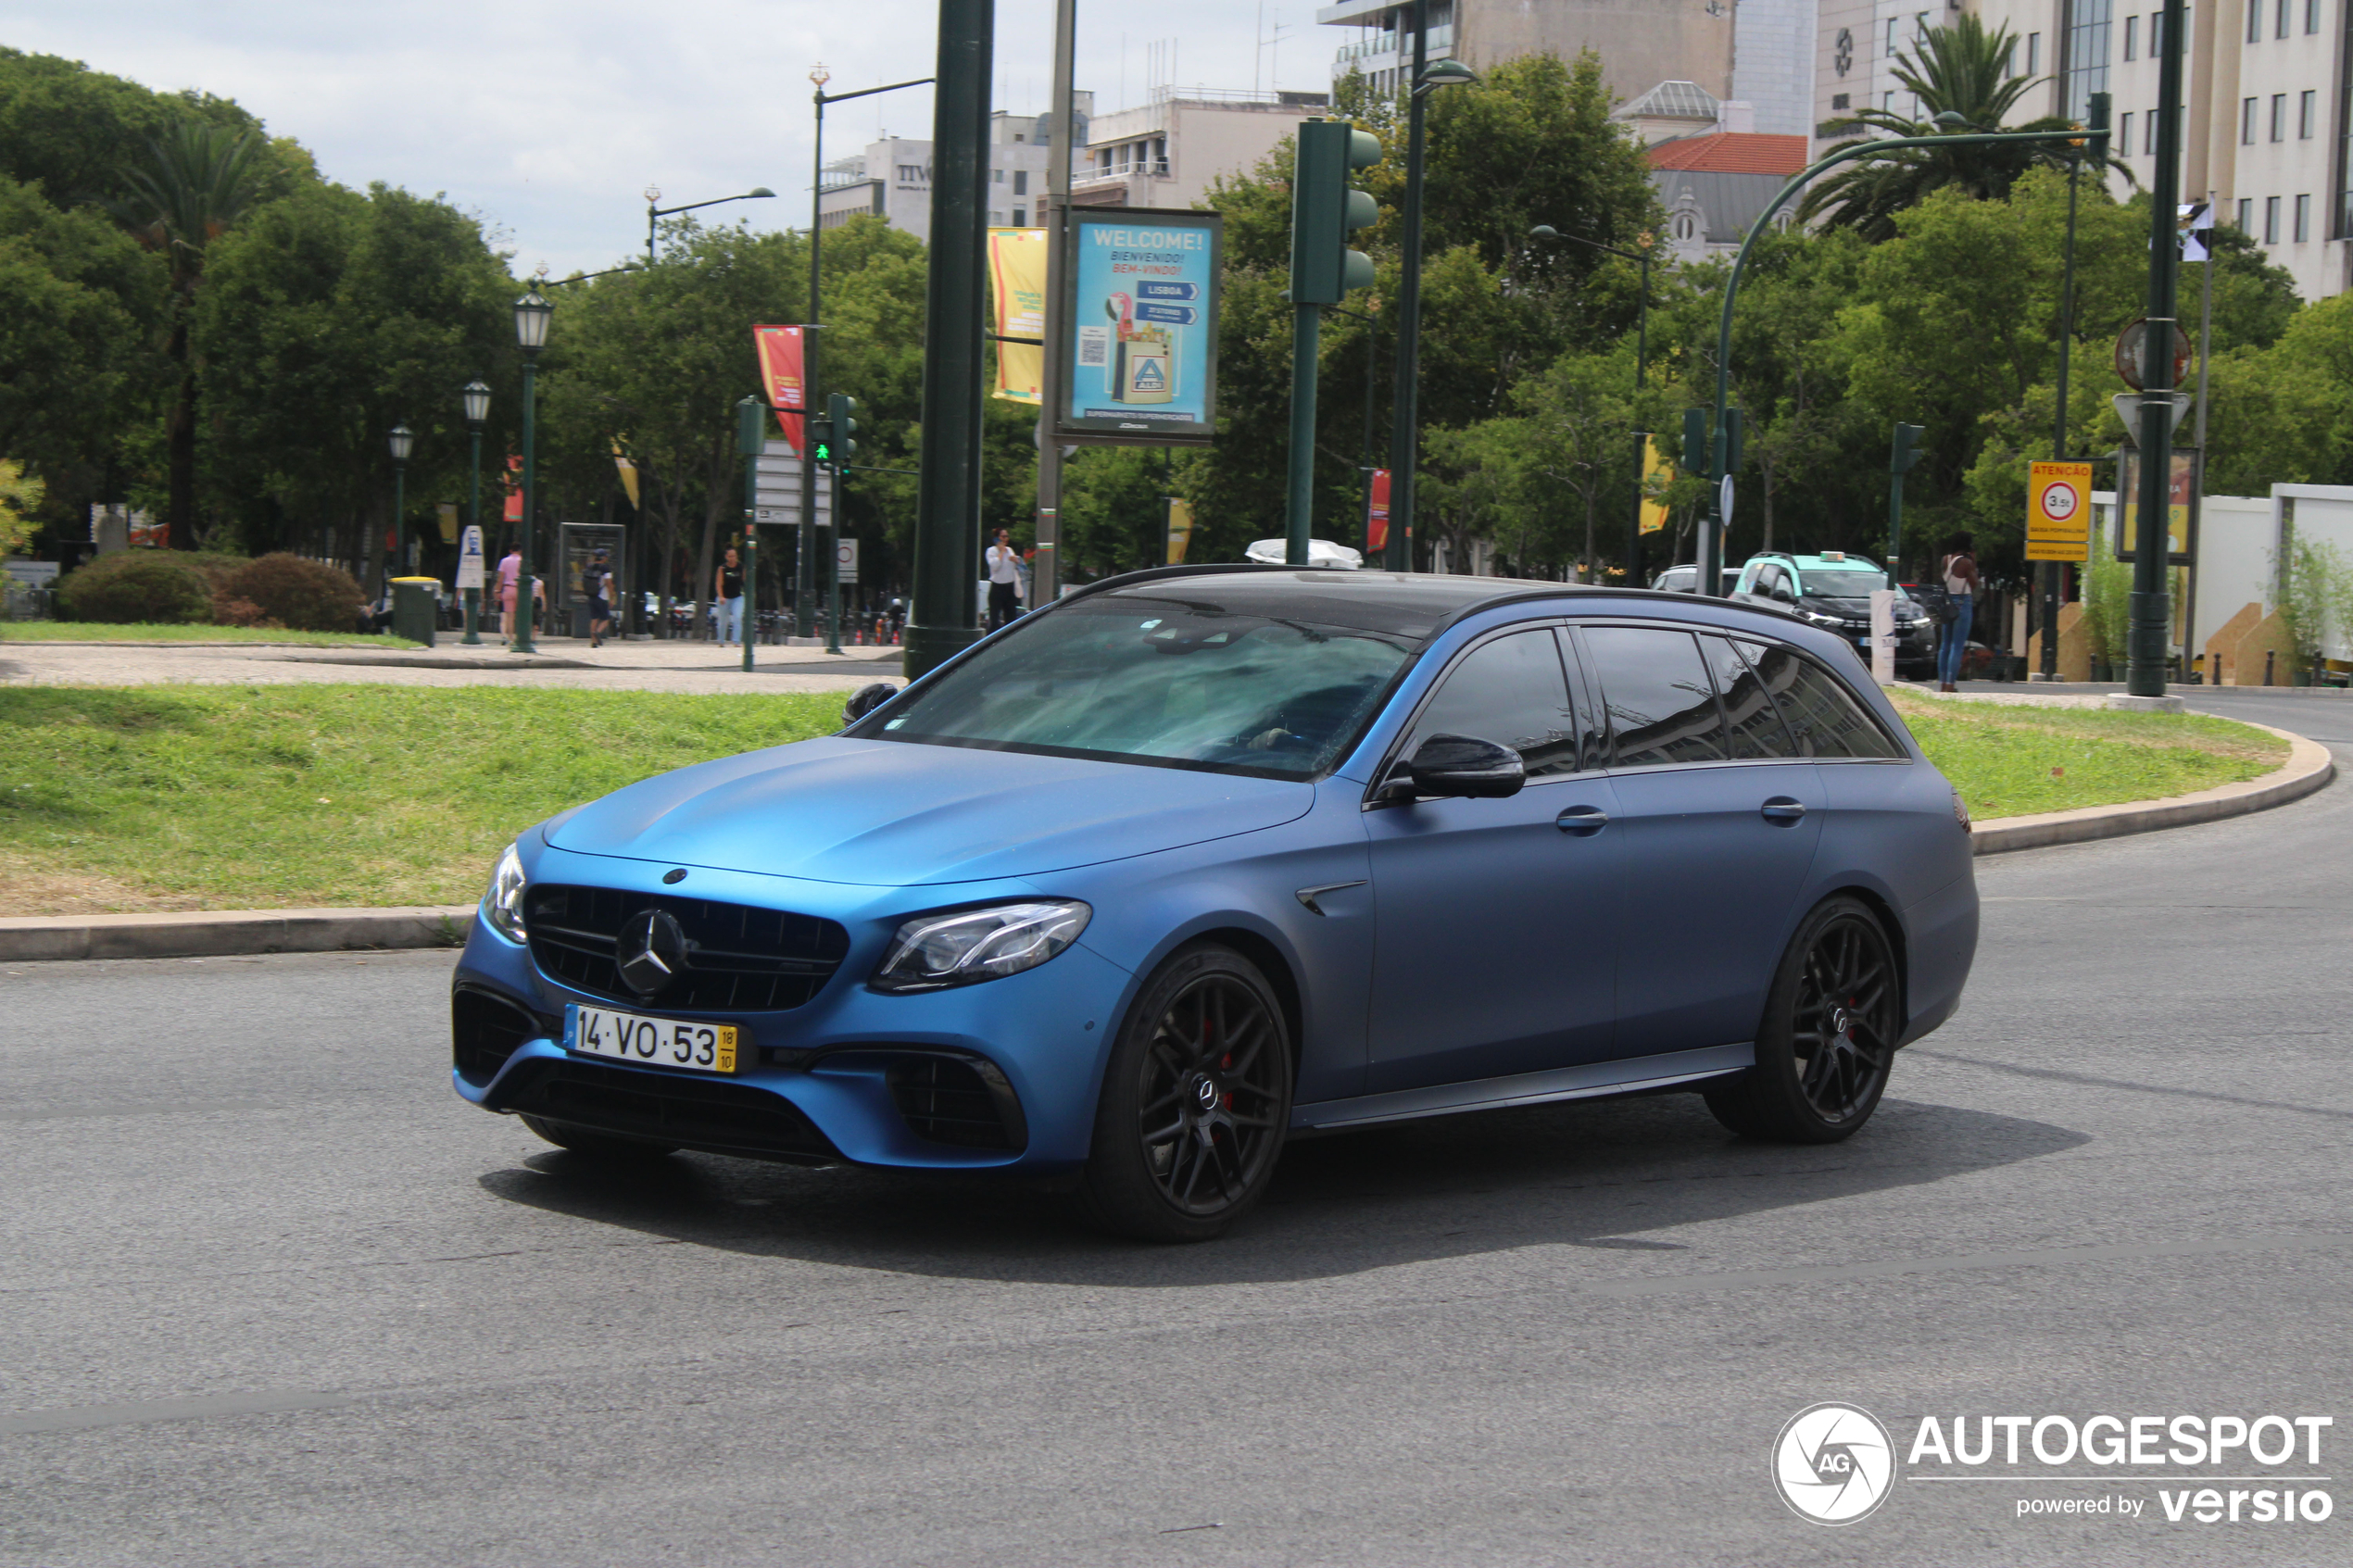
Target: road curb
column 2309, row 766
column 203, row 934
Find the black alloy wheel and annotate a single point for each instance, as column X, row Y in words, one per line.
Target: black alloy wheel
column 1829, row 1034
column 1195, row 1101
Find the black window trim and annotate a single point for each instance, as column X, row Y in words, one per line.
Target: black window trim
column 1585, row 662
column 1379, row 795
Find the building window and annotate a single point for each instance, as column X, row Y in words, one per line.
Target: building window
column 998, row 175
column 2246, row 123
column 2270, row 220
column 1887, row 103
column 2033, row 54
column 1891, row 25
column 2087, row 56
column 2307, row 108
column 2303, row 218
column 1020, row 217
column 2124, row 133
column 2148, row 133
column 2311, row 16
column 2157, row 35
column 2255, row 21
column 1919, row 26
column 1842, row 101
column 2133, row 37
column 1021, row 181
column 2280, row 31
column 2279, row 116
column 2247, row 215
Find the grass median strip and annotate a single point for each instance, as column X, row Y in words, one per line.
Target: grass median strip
column 244, row 797
column 2019, row 761
column 101, row 632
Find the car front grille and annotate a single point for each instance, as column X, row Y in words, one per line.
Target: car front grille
column 721, row 1117
column 485, row 1030
column 739, row 959
column 952, row 1100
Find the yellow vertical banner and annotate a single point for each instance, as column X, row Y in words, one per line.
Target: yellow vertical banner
column 1017, row 290
column 628, row 472
column 1657, row 472
column 1181, row 530
column 448, row 513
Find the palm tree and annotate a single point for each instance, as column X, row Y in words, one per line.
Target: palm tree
column 199, row 182
column 1961, row 76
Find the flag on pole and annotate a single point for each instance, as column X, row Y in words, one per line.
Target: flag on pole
column 2195, row 221
column 1017, row 290
column 781, row 377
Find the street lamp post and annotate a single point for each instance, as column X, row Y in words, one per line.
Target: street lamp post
column 476, row 398
column 1641, row 363
column 402, row 441
column 653, row 195
column 532, row 312
column 1403, row 436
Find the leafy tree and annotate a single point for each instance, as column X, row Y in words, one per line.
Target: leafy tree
column 72, row 131
column 1962, row 70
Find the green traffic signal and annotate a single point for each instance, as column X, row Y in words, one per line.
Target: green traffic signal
column 1906, row 451
column 842, row 422
column 1325, row 209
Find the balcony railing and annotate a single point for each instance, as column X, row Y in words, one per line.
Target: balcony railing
column 1441, row 40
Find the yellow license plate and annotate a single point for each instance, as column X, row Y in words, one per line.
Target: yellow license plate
column 649, row 1042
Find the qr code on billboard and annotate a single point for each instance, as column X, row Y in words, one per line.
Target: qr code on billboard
column 1094, row 346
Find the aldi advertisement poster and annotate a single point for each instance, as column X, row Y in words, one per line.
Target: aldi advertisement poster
column 1142, row 325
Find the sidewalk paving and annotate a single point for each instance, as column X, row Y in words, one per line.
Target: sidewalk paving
column 563, row 662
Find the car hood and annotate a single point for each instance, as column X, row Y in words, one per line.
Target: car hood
column 893, row 813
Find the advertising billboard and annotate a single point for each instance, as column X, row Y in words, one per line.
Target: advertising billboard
column 1139, row 326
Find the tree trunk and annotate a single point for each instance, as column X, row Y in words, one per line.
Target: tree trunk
column 179, row 425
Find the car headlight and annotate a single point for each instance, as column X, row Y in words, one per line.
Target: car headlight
column 502, row 904
column 936, row 951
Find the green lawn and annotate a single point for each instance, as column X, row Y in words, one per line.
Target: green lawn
column 100, row 631
column 160, row 798
column 222, row 798
column 2018, row 761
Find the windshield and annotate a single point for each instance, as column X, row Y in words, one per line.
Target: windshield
column 1158, row 680
column 1849, row 584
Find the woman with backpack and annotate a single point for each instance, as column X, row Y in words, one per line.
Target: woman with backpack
column 1956, row 574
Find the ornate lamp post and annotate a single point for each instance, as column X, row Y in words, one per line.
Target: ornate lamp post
column 532, row 312
column 476, row 398
column 403, row 441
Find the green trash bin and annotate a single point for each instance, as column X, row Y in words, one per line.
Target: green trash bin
column 415, row 607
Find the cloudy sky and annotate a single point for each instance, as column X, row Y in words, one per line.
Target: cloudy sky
column 550, row 120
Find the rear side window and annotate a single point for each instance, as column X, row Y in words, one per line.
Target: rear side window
column 1510, row 691
column 1661, row 705
column 1749, row 714
column 1824, row 719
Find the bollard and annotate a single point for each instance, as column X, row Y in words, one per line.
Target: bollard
column 2269, row 654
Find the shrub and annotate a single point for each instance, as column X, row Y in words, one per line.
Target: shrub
column 229, row 610
column 308, row 596
column 134, row 587
column 218, row 567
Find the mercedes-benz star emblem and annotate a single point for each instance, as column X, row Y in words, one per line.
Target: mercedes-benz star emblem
column 1205, row 1091
column 651, row 952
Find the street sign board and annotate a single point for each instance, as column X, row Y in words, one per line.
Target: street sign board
column 1138, row 326
column 845, row 560
column 470, row 559
column 2128, row 408
column 2059, row 511
column 1724, row 499
column 1883, row 635
column 2132, row 353
column 2181, row 542
column 777, row 500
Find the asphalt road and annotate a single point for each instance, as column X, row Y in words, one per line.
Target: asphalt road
column 270, row 1294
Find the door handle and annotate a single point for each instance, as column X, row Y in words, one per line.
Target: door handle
column 1781, row 808
column 1582, row 821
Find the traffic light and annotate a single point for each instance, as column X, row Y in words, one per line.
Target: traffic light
column 841, row 423
column 1694, row 459
column 1326, row 209
column 1735, row 428
column 821, row 440
column 1907, row 449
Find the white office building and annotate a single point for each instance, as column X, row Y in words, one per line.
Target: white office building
column 892, row 177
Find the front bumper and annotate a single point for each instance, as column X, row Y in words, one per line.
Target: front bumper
column 1000, row 1076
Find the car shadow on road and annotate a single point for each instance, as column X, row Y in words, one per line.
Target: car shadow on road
column 1623, row 1175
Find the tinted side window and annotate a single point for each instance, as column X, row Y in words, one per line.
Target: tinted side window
column 1824, row 719
column 1661, row 705
column 1755, row 725
column 1510, row 691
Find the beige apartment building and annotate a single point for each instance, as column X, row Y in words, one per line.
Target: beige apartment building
column 2265, row 121
column 1168, row 150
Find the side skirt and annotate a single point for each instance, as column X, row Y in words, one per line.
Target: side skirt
column 1628, row 1075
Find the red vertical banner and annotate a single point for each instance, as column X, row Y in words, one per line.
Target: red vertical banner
column 514, row 490
column 780, row 374
column 1377, row 524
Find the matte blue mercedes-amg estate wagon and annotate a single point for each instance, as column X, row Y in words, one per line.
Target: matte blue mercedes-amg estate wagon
column 1195, row 859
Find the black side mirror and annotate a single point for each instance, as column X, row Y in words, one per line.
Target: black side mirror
column 1476, row 770
column 864, row 700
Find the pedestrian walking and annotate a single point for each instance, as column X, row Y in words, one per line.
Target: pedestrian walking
column 599, row 583
column 1004, row 581
column 1958, row 573
column 729, row 586
column 510, row 577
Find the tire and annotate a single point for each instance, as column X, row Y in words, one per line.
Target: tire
column 1828, row 1036
column 598, row 1145
column 1195, row 1100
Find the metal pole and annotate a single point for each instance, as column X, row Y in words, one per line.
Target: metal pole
column 2052, row 570
column 803, row 609
column 941, row 623
column 1404, row 437
column 473, row 516
column 2151, row 608
column 2198, row 490
column 1642, row 438
column 748, row 442
column 399, row 518
column 833, row 567
column 1306, row 330
column 520, row 639
column 1045, row 580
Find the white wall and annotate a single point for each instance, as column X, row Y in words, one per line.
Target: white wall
column 2320, row 512
column 2236, row 536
